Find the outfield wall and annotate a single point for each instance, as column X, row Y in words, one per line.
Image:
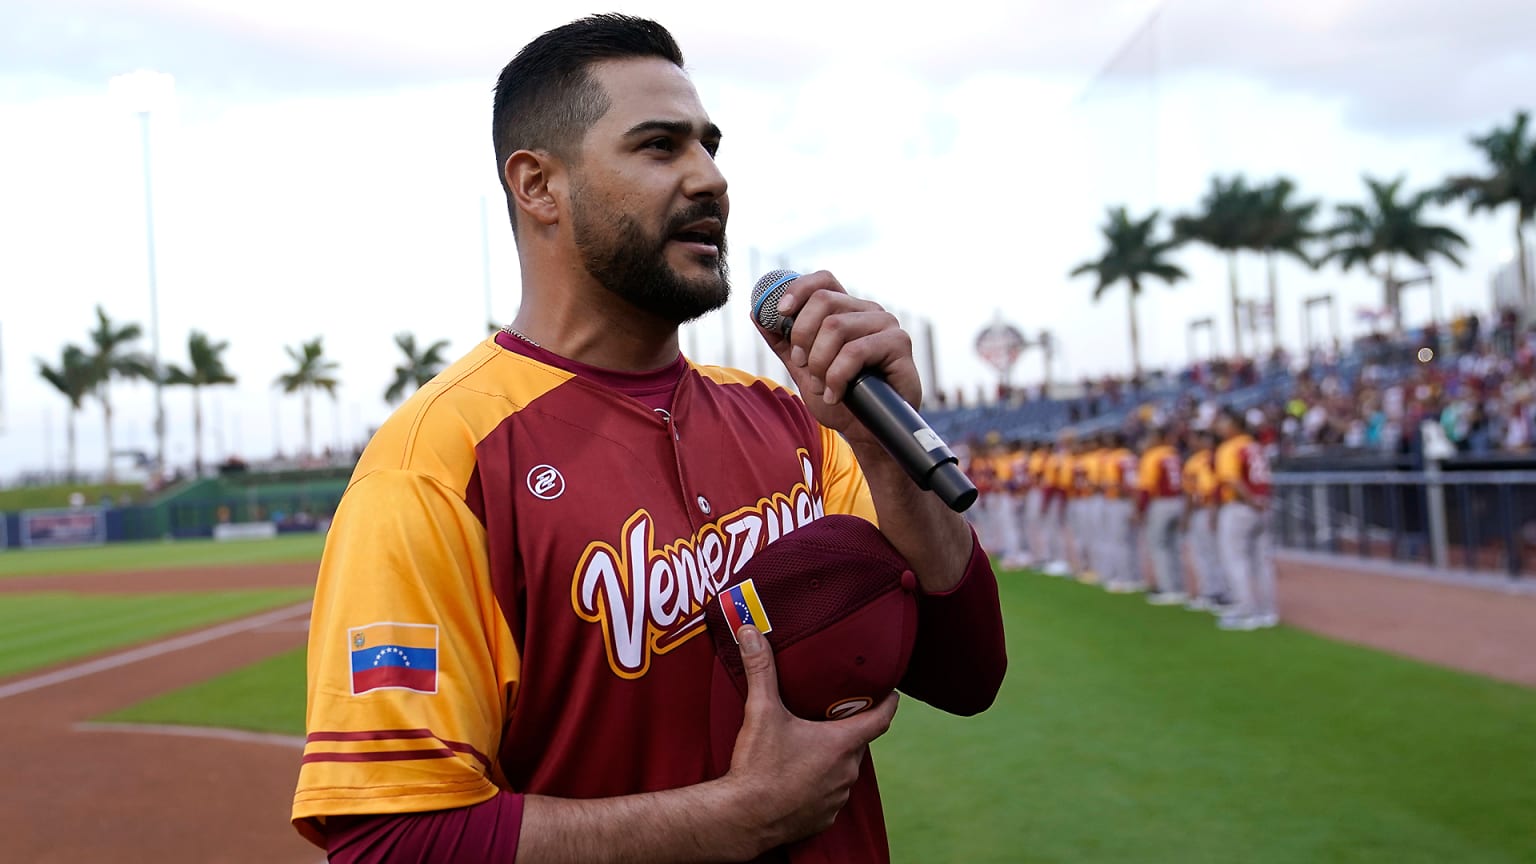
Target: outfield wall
column 292, row 505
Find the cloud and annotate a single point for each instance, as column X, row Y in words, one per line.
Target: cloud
column 1396, row 64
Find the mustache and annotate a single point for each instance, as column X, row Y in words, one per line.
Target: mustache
column 694, row 213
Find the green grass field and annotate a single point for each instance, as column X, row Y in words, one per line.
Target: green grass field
column 156, row 554
column 42, row 628
column 263, row 697
column 1127, row 733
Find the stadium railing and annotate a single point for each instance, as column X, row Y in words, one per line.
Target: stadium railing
column 1469, row 521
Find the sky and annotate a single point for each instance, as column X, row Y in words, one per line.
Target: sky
column 320, row 168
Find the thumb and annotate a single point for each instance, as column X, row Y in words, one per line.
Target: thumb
column 757, row 663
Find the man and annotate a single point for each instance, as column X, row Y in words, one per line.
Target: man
column 1022, row 553
column 1058, row 527
column 1242, row 531
column 1082, row 510
column 1116, row 540
column 1199, row 523
column 1159, row 506
column 1036, row 528
column 507, row 657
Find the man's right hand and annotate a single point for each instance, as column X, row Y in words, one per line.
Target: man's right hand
column 792, row 776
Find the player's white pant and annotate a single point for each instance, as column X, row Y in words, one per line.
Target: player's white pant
column 1117, row 551
column 1058, row 528
column 1080, row 517
column 1002, row 525
column 1034, row 524
column 1243, row 537
column 1163, row 544
column 1204, row 555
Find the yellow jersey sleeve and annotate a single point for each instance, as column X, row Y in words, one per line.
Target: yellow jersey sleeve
column 844, row 488
column 412, row 667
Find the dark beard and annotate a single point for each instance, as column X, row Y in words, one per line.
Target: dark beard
column 623, row 259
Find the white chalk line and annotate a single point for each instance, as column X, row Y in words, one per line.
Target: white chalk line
column 144, row 652
column 241, row 735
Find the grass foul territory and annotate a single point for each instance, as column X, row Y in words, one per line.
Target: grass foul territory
column 41, row 629
column 159, row 554
column 1126, row 732
column 263, row 697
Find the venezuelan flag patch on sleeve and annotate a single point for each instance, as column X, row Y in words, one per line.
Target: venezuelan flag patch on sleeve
column 392, row 656
column 741, row 606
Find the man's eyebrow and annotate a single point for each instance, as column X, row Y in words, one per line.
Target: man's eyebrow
column 674, row 127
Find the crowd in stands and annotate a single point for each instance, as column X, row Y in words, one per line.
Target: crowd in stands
column 1475, row 383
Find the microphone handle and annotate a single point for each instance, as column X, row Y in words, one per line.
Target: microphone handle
column 907, row 437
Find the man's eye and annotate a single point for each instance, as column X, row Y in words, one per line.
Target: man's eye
column 659, row 144
column 712, row 147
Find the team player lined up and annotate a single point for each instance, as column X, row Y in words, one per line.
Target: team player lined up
column 1184, row 517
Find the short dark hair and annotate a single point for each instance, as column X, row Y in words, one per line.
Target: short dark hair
column 546, row 98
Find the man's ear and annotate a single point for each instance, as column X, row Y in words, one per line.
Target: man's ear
column 529, row 177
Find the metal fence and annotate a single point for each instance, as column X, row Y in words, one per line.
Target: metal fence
column 1465, row 520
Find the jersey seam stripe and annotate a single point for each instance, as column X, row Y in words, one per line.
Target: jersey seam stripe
column 399, row 735
column 380, row 755
column 406, row 451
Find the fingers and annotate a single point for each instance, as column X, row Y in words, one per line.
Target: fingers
column 872, row 722
column 762, row 676
column 836, row 336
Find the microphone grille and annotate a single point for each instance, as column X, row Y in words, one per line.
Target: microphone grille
column 766, row 294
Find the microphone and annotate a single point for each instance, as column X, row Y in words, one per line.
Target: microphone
column 904, row 434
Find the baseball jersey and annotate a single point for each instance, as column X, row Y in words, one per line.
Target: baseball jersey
column 1200, row 479
column 1240, row 461
column 1059, row 472
column 1117, row 473
column 1018, row 470
column 1037, row 462
column 1159, row 472
column 983, row 473
column 512, row 591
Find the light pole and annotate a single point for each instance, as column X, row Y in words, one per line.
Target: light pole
column 144, row 91
column 154, row 302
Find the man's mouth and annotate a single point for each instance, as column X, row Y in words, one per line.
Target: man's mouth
column 703, row 235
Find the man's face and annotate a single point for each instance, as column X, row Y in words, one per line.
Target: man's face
column 648, row 203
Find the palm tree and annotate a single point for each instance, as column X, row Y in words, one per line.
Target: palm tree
column 1228, row 222
column 1284, row 228
column 418, row 368
column 312, row 372
column 73, row 378
column 1512, row 157
column 112, row 357
column 1387, row 227
column 207, row 370
column 1131, row 256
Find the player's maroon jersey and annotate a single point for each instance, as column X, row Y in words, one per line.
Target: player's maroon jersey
column 511, row 596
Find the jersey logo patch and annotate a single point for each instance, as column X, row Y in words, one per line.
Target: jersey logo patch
column 742, row 606
column 388, row 655
column 544, row 481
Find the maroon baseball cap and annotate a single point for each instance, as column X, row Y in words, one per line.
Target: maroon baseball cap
column 837, row 603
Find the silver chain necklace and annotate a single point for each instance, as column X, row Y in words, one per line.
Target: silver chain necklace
column 511, row 332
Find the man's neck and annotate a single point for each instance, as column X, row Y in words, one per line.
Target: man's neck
column 578, row 319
